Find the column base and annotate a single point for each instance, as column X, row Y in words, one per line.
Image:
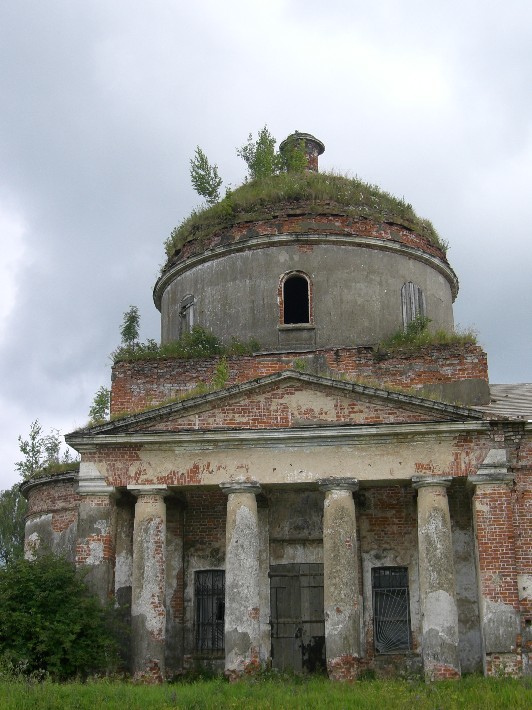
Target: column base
column 441, row 671
column 248, row 668
column 151, row 675
column 504, row 665
column 344, row 668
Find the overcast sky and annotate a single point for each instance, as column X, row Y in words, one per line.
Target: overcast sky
column 104, row 101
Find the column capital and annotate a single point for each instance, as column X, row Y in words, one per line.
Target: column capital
column 139, row 490
column 338, row 484
column 240, row 487
column 493, row 470
column 91, row 482
column 437, row 481
column 492, row 478
column 96, row 489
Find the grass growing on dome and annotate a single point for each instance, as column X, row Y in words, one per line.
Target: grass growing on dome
column 318, row 192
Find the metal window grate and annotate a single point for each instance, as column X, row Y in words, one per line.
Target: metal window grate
column 209, row 593
column 391, row 609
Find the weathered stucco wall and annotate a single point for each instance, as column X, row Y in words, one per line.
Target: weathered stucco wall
column 386, row 458
column 52, row 517
column 356, row 294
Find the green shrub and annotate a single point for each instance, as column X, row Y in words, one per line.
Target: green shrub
column 240, row 347
column 417, row 334
column 198, row 343
column 13, row 508
column 50, row 622
column 221, row 374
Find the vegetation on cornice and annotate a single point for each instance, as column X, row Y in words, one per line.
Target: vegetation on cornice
column 55, row 469
column 417, row 335
column 318, row 193
column 198, row 343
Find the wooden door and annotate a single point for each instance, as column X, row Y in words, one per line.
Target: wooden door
column 298, row 628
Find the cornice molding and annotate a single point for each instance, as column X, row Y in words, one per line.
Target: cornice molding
column 266, row 438
column 271, row 240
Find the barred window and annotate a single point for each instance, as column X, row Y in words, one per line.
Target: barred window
column 412, row 303
column 391, row 609
column 209, row 594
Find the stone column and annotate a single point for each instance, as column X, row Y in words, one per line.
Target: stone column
column 437, row 589
column 341, row 598
column 242, row 606
column 148, row 608
column 95, row 548
column 496, row 565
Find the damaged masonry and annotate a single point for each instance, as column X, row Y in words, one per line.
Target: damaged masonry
column 327, row 508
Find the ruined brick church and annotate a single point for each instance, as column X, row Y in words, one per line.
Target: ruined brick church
column 329, row 508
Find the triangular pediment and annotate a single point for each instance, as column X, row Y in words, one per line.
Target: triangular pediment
column 288, row 400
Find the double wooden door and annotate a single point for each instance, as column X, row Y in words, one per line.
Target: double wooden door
column 297, row 618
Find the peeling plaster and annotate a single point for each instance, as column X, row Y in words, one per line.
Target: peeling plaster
column 524, row 586
column 123, row 570
column 500, row 626
column 96, row 553
column 32, row 545
column 440, row 615
column 148, row 601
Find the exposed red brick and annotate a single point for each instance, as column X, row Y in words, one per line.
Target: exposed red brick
column 141, row 384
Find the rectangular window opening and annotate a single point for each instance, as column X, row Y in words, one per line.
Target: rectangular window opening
column 209, row 596
column 391, row 610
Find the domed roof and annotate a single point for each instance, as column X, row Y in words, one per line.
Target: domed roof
column 362, row 260
column 288, row 194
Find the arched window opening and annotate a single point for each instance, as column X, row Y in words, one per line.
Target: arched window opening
column 296, row 300
column 186, row 314
column 412, row 302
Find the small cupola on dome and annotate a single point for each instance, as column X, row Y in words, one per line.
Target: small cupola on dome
column 313, row 147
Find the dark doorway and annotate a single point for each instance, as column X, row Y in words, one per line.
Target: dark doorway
column 296, row 300
column 298, row 627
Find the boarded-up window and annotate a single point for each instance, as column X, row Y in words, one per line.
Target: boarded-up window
column 413, row 303
column 186, row 314
column 391, row 609
column 209, row 597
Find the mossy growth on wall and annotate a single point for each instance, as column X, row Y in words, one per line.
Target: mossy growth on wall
column 317, row 193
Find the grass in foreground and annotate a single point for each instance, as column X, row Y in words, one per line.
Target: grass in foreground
column 469, row 693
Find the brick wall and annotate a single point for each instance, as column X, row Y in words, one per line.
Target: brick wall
column 290, row 405
column 496, row 543
column 138, row 385
column 58, row 497
column 55, row 496
column 308, row 224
